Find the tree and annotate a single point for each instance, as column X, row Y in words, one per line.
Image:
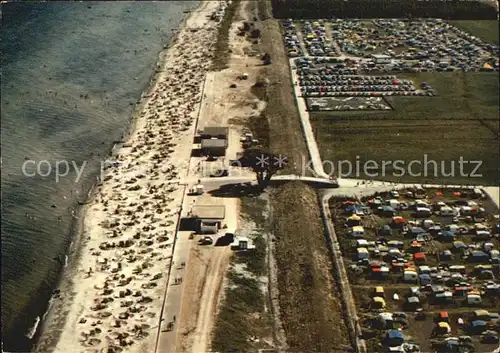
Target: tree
column 263, row 163
column 255, row 33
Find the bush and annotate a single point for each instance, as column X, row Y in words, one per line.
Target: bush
column 255, row 33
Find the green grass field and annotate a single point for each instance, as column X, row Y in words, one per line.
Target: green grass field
column 461, row 121
column 486, row 30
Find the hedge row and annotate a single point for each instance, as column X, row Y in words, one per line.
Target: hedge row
column 445, row 9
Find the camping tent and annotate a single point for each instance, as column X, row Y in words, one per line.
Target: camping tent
column 394, row 338
column 378, row 303
column 398, row 220
column 443, row 328
column 353, row 220
column 488, row 67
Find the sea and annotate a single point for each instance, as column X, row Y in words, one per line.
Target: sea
column 71, row 74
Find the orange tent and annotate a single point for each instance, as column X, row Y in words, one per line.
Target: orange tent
column 398, row 220
column 487, row 66
column 457, row 193
column 438, row 193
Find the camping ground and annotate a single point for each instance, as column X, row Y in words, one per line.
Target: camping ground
column 364, row 278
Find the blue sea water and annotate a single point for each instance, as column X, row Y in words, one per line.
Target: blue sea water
column 71, row 72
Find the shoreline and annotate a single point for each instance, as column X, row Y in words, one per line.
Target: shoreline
column 74, row 249
column 79, row 241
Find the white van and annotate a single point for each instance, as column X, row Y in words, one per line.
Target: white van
column 482, row 234
column 474, row 299
column 410, row 276
column 447, row 211
column 423, row 212
column 393, row 203
column 421, row 203
column 427, row 223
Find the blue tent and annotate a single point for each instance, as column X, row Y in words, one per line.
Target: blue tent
column 425, row 279
column 385, row 230
column 479, row 256
column 459, row 245
column 452, row 345
column 478, row 323
column 416, row 230
column 447, row 235
column 352, row 208
column 394, row 337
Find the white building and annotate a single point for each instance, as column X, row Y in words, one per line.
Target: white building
column 381, row 59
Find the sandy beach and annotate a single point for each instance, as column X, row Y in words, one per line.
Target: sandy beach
column 129, row 228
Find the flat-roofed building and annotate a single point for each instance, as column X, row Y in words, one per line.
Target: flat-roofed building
column 208, row 217
column 381, row 58
column 218, row 132
column 213, row 147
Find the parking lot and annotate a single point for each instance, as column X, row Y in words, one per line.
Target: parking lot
column 326, row 81
column 347, row 103
column 423, row 265
column 348, row 90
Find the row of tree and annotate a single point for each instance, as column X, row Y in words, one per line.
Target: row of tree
column 445, row 9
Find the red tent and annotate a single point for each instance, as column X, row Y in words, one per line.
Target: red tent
column 443, row 315
column 398, row 220
column 419, row 256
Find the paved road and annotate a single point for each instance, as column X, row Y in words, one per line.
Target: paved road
column 348, row 301
column 494, row 194
column 173, row 300
column 307, row 128
column 211, row 182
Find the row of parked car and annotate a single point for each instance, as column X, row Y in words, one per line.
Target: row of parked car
column 291, row 39
column 366, row 94
column 322, row 82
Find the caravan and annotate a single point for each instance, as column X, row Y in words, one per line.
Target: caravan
column 395, row 204
column 447, row 211
column 474, row 299
column 362, row 253
column 423, row 212
column 358, row 232
column 410, row 276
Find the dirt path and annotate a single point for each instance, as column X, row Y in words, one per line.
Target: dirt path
column 208, row 304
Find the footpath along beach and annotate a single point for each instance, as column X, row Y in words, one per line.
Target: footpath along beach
column 118, row 283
